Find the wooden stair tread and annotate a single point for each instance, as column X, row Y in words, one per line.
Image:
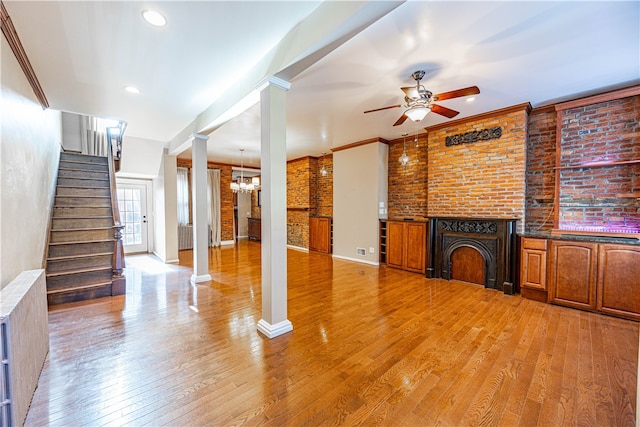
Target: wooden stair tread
column 77, row 271
column 67, row 168
column 81, row 241
column 65, row 257
column 82, row 217
column 80, row 287
column 68, row 196
column 83, row 229
column 80, row 186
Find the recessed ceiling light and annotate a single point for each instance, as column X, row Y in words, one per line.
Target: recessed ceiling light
column 471, row 99
column 132, row 89
column 154, row 18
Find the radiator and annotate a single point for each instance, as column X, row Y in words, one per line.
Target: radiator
column 24, row 343
column 185, row 237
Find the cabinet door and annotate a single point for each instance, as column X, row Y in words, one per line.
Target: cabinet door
column 619, row 280
column 572, row 281
column 416, row 242
column 320, row 234
column 395, row 244
column 533, row 261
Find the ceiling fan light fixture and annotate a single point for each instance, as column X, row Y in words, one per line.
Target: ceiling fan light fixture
column 417, row 113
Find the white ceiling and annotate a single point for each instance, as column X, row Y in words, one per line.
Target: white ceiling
column 514, row 51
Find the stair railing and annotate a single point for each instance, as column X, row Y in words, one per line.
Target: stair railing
column 114, row 139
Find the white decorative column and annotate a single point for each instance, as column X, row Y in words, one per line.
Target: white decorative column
column 200, row 209
column 273, row 167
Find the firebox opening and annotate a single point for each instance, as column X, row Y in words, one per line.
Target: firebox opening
column 468, row 265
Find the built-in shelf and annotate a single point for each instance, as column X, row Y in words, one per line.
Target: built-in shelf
column 599, row 164
column 543, row 199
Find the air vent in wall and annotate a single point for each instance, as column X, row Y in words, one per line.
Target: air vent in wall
column 361, row 251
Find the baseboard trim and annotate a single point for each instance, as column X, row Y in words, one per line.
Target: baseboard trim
column 361, row 261
column 298, row 248
column 199, row 279
column 272, row 331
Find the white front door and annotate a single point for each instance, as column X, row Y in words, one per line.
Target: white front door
column 132, row 203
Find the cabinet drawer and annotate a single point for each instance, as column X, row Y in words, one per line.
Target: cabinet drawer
column 539, row 244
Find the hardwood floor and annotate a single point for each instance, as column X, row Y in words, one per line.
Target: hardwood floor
column 370, row 346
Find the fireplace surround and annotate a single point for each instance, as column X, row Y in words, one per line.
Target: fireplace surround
column 493, row 238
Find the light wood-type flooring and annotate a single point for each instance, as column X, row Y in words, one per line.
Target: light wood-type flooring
column 370, row 346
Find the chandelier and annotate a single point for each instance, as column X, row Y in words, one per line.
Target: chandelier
column 242, row 185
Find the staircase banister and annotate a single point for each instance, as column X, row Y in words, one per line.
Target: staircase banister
column 118, row 263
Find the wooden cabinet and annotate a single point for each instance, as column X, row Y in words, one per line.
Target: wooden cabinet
column 602, row 277
column 572, row 280
column 255, row 229
column 533, row 270
column 618, row 289
column 320, row 234
column 405, row 245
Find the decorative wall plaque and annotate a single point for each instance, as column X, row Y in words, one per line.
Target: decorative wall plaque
column 474, row 136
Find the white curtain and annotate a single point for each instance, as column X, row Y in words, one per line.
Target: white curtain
column 183, row 196
column 93, row 134
column 213, row 199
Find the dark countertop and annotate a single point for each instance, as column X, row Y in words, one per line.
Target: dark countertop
column 405, row 219
column 582, row 238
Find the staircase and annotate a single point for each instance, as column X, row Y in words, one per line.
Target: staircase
column 82, row 237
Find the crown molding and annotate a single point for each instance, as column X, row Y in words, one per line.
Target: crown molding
column 10, row 34
column 490, row 114
column 357, row 144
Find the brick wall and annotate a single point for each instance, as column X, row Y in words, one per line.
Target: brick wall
column 323, row 203
column 300, row 188
column 308, row 194
column 226, row 196
column 541, row 152
column 600, row 196
column 481, row 179
column 407, row 187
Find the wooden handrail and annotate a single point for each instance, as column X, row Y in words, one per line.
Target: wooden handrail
column 118, row 286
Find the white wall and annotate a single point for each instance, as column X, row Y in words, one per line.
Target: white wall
column 29, row 156
column 71, row 138
column 359, row 183
column 141, row 158
column 244, row 212
column 165, row 210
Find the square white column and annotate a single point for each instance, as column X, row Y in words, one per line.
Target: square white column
column 200, row 209
column 274, row 320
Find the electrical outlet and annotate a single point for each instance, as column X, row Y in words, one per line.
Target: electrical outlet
column 372, row 250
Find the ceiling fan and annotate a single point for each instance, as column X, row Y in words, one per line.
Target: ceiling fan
column 419, row 101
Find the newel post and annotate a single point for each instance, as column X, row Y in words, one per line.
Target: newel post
column 118, row 280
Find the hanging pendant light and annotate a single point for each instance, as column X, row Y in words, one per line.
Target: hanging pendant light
column 404, row 159
column 323, row 170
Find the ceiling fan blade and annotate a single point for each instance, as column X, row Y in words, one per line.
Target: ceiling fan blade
column 471, row 90
column 383, row 108
column 411, row 92
column 401, row 120
column 444, row 111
